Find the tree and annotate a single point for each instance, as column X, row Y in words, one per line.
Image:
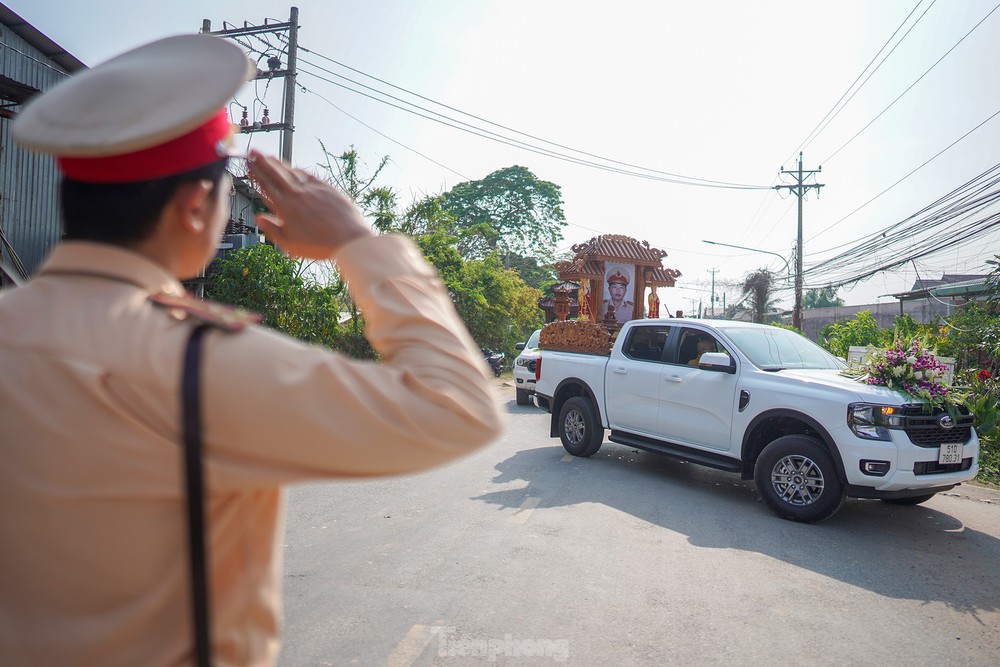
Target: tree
column 498, row 307
column 495, row 305
column 534, row 274
column 510, row 211
column 426, row 216
column 822, row 298
column 265, row 281
column 861, row 330
column 758, row 290
column 377, row 203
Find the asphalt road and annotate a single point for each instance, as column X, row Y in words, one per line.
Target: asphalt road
column 521, row 555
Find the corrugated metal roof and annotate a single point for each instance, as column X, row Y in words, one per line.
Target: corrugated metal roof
column 619, row 247
column 29, row 203
column 976, row 287
column 33, row 36
column 946, row 279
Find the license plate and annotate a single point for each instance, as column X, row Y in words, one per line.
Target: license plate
column 951, row 452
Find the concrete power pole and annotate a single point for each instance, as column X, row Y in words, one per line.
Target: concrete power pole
column 291, row 31
column 713, row 272
column 799, row 189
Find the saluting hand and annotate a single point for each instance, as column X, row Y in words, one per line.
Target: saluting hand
column 311, row 219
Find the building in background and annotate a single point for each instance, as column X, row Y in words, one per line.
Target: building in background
column 927, row 301
column 30, row 63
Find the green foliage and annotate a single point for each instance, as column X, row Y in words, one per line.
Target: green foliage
column 510, row 212
column 377, row 203
column 782, row 325
column 821, row 298
column 497, row 307
column 263, row 280
column 539, row 276
column 993, row 279
column 985, row 405
column 426, row 216
column 971, row 335
column 862, row 330
column 259, row 279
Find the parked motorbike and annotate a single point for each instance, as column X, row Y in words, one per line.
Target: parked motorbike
column 494, row 360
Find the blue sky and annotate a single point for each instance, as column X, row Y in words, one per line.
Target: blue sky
column 724, row 91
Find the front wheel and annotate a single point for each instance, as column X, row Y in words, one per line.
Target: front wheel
column 521, row 396
column 796, row 478
column 579, row 431
column 912, row 500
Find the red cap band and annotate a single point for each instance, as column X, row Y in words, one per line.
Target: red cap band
column 199, row 147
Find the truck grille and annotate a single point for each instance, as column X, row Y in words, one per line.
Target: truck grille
column 935, row 468
column 925, row 430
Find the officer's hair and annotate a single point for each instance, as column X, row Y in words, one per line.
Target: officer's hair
column 123, row 213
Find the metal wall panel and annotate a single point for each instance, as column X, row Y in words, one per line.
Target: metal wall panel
column 29, row 210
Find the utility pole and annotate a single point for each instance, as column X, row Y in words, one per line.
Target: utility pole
column 693, row 308
column 713, row 272
column 799, row 189
column 291, row 32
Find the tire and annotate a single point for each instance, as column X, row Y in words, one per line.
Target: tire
column 912, row 500
column 522, row 396
column 578, row 428
column 796, row 477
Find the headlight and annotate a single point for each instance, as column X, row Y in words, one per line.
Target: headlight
column 872, row 422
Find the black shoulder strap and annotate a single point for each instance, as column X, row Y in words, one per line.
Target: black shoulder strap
column 195, row 488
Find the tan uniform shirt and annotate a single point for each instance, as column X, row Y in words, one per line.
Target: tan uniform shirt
column 93, row 546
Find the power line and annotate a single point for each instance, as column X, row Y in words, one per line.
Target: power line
column 515, row 143
column 963, row 215
column 670, row 177
column 834, row 110
column 355, row 118
column 928, row 161
column 936, row 63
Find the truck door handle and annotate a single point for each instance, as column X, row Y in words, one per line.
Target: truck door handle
column 673, row 378
column 620, row 371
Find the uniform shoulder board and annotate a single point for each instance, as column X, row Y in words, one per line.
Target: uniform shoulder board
column 207, row 312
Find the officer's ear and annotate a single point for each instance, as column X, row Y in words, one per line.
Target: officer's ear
column 193, row 203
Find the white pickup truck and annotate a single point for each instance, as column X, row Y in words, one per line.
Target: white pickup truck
column 760, row 401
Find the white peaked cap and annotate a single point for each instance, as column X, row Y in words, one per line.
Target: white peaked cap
column 137, row 100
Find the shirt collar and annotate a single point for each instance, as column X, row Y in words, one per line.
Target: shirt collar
column 112, row 262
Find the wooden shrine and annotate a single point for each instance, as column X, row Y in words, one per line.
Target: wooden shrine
column 613, row 272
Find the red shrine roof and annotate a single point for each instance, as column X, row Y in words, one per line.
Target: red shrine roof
column 591, row 255
column 617, row 247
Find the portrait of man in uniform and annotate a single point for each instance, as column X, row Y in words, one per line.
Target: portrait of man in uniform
column 617, row 279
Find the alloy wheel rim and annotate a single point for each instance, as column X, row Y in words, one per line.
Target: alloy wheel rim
column 574, row 427
column 797, row 480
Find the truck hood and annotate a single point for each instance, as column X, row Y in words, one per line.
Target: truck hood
column 832, row 379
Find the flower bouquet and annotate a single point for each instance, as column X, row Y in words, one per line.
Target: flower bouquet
column 913, row 370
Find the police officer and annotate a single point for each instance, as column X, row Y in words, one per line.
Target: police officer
column 94, row 558
column 618, row 308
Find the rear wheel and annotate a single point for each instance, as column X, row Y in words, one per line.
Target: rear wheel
column 912, row 500
column 521, row 395
column 796, row 478
column 578, row 428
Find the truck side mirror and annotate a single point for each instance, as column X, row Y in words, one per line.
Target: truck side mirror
column 718, row 362
column 519, row 346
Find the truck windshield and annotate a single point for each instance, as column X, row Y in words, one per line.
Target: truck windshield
column 772, row 349
column 533, row 340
